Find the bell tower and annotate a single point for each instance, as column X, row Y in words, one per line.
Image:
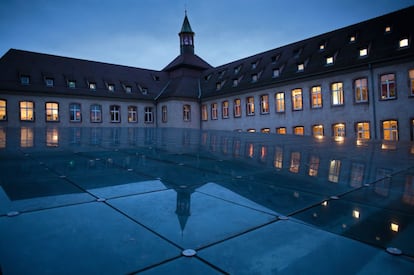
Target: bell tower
column 186, row 37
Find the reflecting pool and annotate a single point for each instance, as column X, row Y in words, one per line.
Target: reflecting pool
column 131, row 200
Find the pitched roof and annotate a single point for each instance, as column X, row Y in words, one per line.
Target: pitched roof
column 186, row 26
column 187, row 60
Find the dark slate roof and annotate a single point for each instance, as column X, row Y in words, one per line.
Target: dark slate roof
column 145, row 84
column 187, row 60
column 381, row 46
column 182, row 87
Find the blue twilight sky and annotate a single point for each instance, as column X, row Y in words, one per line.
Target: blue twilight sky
column 143, row 33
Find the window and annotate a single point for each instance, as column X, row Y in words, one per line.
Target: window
column 128, row 89
column 299, row 130
column 334, row 170
column 250, row 106
column 297, row 99
column 337, row 93
column 3, row 110
column 339, row 130
column 254, row 78
column 294, row 162
column 316, row 97
column 92, row 86
column 275, row 73
column 132, row 114
column 301, row 67
column 362, row 130
column 111, row 88
column 317, row 131
column 352, row 38
column 27, row 111
column 388, row 89
column 148, row 115
column 26, row 137
column 411, row 77
column 72, row 84
column 322, row 47
column 390, row 129
column 225, row 109
column 164, row 114
column 96, row 113
column 214, row 111
column 403, row 43
column 237, row 69
column 357, row 174
column 313, row 166
column 218, row 86
column 235, row 82
column 387, row 29
column 278, row 159
column 281, row 130
column 52, row 111
column 186, row 112
column 204, row 114
column 114, row 111
column 264, row 104
column 280, row 102
column 24, row 79
column 265, row 130
column 254, row 65
column 49, row 82
column 75, row 112
column 329, row 60
column 363, row 52
column 237, row 108
column 361, row 90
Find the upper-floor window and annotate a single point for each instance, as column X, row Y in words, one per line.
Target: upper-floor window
column 52, row 111
column 403, row 43
column 337, row 93
column 24, row 79
column 390, row 129
column 322, row 46
column 214, row 111
column 316, row 97
column 250, row 106
column 280, row 102
column 26, row 110
column 186, row 112
column 225, row 109
column 115, row 113
column 3, row 110
column 164, row 114
column 297, row 99
column 235, row 82
column 96, row 113
column 411, row 77
column 361, row 90
column 49, row 82
column 132, row 114
column 388, row 89
column 128, row 89
column 75, row 112
column 264, row 104
column 237, row 108
column 387, row 29
column 204, row 113
column 362, row 130
column 148, row 115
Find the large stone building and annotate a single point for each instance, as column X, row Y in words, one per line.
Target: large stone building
column 357, row 82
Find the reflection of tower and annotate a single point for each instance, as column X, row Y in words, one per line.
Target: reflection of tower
column 183, row 206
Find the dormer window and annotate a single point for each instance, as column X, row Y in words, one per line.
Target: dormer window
column 352, row 38
column 387, row 29
column 275, row 73
column 297, row 52
column 275, row 58
column 128, row 89
column 237, row 69
column 144, row 91
column 322, row 47
column 329, row 60
column 72, row 84
column 222, row 73
column 254, row 65
column 24, row 79
column 111, row 88
column 363, row 52
column 403, row 43
column 156, row 77
column 49, row 82
column 235, row 82
column 254, row 78
column 207, row 77
column 92, row 86
column 301, row 67
column 218, row 86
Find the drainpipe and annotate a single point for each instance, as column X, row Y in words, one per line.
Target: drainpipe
column 374, row 111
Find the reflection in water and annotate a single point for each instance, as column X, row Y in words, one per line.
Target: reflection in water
column 294, row 162
column 313, row 166
column 52, row 137
column 26, row 137
column 2, row 138
column 334, row 170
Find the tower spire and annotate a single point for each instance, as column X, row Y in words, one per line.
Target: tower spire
column 186, row 36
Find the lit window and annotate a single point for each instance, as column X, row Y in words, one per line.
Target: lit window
column 52, row 137
column 334, row 170
column 411, row 77
column 52, row 111
column 27, row 111
column 301, row 67
column 297, row 99
column 387, row 29
column 281, row 130
column 352, row 38
column 388, row 89
column 111, row 87
column 251, row 130
column 49, row 82
column 186, row 112
column 225, row 109
column 403, row 43
column 280, row 102
column 148, row 115
column 265, row 130
column 25, row 80
column 115, row 113
column 72, row 84
column 299, row 130
column 361, row 90
column 92, row 86
column 96, row 113
column 390, row 129
column 339, row 130
column 322, row 46
column 394, row 227
column 250, row 106
column 363, row 130
column 337, row 93
column 3, row 110
column 275, row 73
column 363, row 52
column 316, row 94
column 75, row 112
column 329, row 60
column 164, row 115
column 317, row 131
column 204, row 113
column 264, row 104
column 237, row 108
column 132, row 114
column 356, row 214
column 214, row 111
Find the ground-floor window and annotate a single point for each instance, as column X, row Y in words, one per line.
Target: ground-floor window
column 339, row 130
column 281, row 130
column 27, row 110
column 148, row 115
column 225, row 109
column 3, row 109
column 115, row 113
column 390, row 129
column 187, row 112
column 164, row 114
column 214, row 111
column 237, row 107
column 52, row 111
column 334, row 170
column 362, row 130
column 132, row 114
column 96, row 113
column 75, row 112
column 317, row 131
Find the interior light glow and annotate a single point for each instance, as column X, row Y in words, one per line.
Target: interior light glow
column 394, row 227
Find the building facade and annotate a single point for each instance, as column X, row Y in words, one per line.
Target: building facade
column 355, row 82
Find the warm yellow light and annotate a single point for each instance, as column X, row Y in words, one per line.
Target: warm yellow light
column 356, row 214
column 394, row 227
column 325, row 203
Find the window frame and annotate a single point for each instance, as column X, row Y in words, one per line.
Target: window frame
column 297, row 99
column 95, row 113
column 132, row 114
column 318, row 99
column 225, row 109
column 264, row 104
column 388, row 90
column 237, row 110
column 391, row 129
column 250, row 106
column 148, row 115
column 359, row 90
column 51, row 111
column 337, row 94
column 186, row 112
column 280, row 106
column 319, row 133
column 214, row 111
column 75, row 114
column 336, row 130
column 361, row 133
column 115, row 113
column 3, row 109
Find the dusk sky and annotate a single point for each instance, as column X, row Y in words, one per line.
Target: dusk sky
column 144, row 33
